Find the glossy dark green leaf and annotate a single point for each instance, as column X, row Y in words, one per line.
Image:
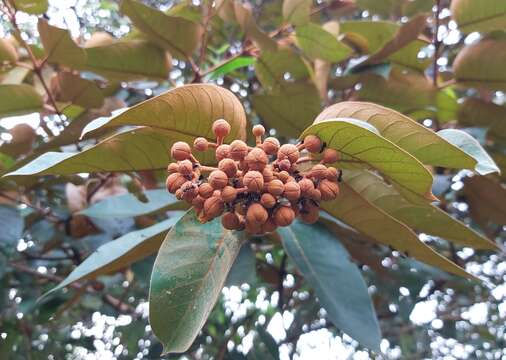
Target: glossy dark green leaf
column 337, row 281
column 237, row 63
column 244, row 268
column 188, row 276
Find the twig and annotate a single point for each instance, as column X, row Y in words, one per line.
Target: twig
column 48, row 213
column 282, row 274
column 436, row 42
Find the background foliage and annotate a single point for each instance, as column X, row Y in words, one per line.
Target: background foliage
column 80, row 180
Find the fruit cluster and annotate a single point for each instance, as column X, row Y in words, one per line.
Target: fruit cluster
column 255, row 188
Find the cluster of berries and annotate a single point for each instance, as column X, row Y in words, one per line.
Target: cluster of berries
column 255, row 188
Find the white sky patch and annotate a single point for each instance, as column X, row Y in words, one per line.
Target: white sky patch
column 31, row 119
column 477, row 314
column 423, row 312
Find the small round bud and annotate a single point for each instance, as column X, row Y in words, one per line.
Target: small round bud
column 172, row 168
column 190, row 191
column 283, row 216
column 306, row 186
column 284, row 165
column 179, row 194
column 329, row 156
column 332, row 174
column 198, row 203
column 218, row 179
column 180, row 151
column 174, row 182
column 288, row 151
column 254, row 181
column 230, row 221
column 275, row 187
column 253, row 228
column 228, row 166
column 318, row 171
column 310, row 213
column 206, row 190
column 328, row 189
column 315, row 195
column 258, row 130
column 222, row 152
column 238, row 150
column 256, row 159
column 312, row 143
column 228, row 194
column 269, row 226
column 185, row 167
column 243, row 165
column 268, row 201
column 267, row 174
column 213, row 207
column 221, row 128
column 200, row 144
column 283, row 176
column 271, row 145
column 291, row 191
column 256, row 214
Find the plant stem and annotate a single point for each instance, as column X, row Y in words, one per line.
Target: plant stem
column 436, row 42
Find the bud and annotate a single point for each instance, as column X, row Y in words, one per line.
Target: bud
column 254, row 181
column 306, row 186
column 222, row 152
column 256, row 159
column 189, row 190
column 312, row 143
column 288, row 151
column 253, row 228
column 258, row 131
column 268, row 201
column 185, row 167
column 228, row 194
column 275, row 187
column 332, row 174
column 206, row 190
column 328, row 189
column 198, row 203
column 221, row 128
column 230, row 221
column 200, row 144
column 318, row 171
column 256, row 214
column 283, row 216
column 172, row 168
column 267, row 174
column 330, row 156
column 213, row 207
column 291, row 191
column 174, row 182
column 271, row 145
column 315, row 195
column 179, row 194
column 180, row 151
column 228, row 166
column 283, row 176
column 284, row 165
column 238, row 150
column 218, row 179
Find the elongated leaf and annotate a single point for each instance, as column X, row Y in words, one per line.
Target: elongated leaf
column 176, row 34
column 31, row 6
column 13, row 226
column 244, row 16
column 189, row 272
column 482, row 16
column 425, row 218
column 68, row 87
column 317, row 43
column 187, row 111
column 359, row 146
column 481, row 64
column 59, row 46
column 237, row 63
column 326, row 266
column 423, row 143
column 120, row 253
column 127, row 205
column 487, row 200
column 370, row 220
column 244, row 268
column 485, row 164
column 475, row 112
column 19, row 99
column 8, row 52
column 297, row 12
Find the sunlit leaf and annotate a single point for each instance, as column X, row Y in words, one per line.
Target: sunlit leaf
column 339, row 286
column 34, row 7
column 317, row 43
column 19, row 99
column 482, row 16
column 189, row 273
column 237, row 63
column 487, row 200
column 244, row 17
column 59, row 46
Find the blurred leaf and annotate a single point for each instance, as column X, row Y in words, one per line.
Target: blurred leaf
column 360, row 147
column 244, row 268
column 15, row 76
column 326, row 266
column 127, row 205
column 354, row 210
column 8, row 52
column 447, row 105
column 244, row 17
column 487, row 200
column 484, row 163
column 19, row 99
column 425, row 218
column 59, row 46
column 481, row 64
column 264, row 346
column 421, row 142
column 481, row 16
column 317, row 43
column 476, row 112
column 13, row 226
column 176, row 34
column 186, row 284
column 297, row 12
column 237, row 63
column 34, row 7
column 68, row 87
column 119, row 253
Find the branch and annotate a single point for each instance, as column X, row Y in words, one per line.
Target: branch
column 436, row 42
column 282, row 274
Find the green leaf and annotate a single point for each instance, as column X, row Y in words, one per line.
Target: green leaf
column 119, row 253
column 227, row 68
column 68, row 87
column 425, row 218
column 8, row 52
column 355, row 211
column 176, row 34
column 481, row 16
column 485, row 164
column 317, row 43
column 361, row 147
column 243, row 14
column 59, row 47
column 339, row 286
column 187, row 111
column 244, row 268
column 19, row 99
column 13, row 227
column 421, row 142
column 188, row 275
column 297, row 12
column 127, row 205
column 34, row 7
column 481, row 64
column 480, row 113
column 266, row 340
